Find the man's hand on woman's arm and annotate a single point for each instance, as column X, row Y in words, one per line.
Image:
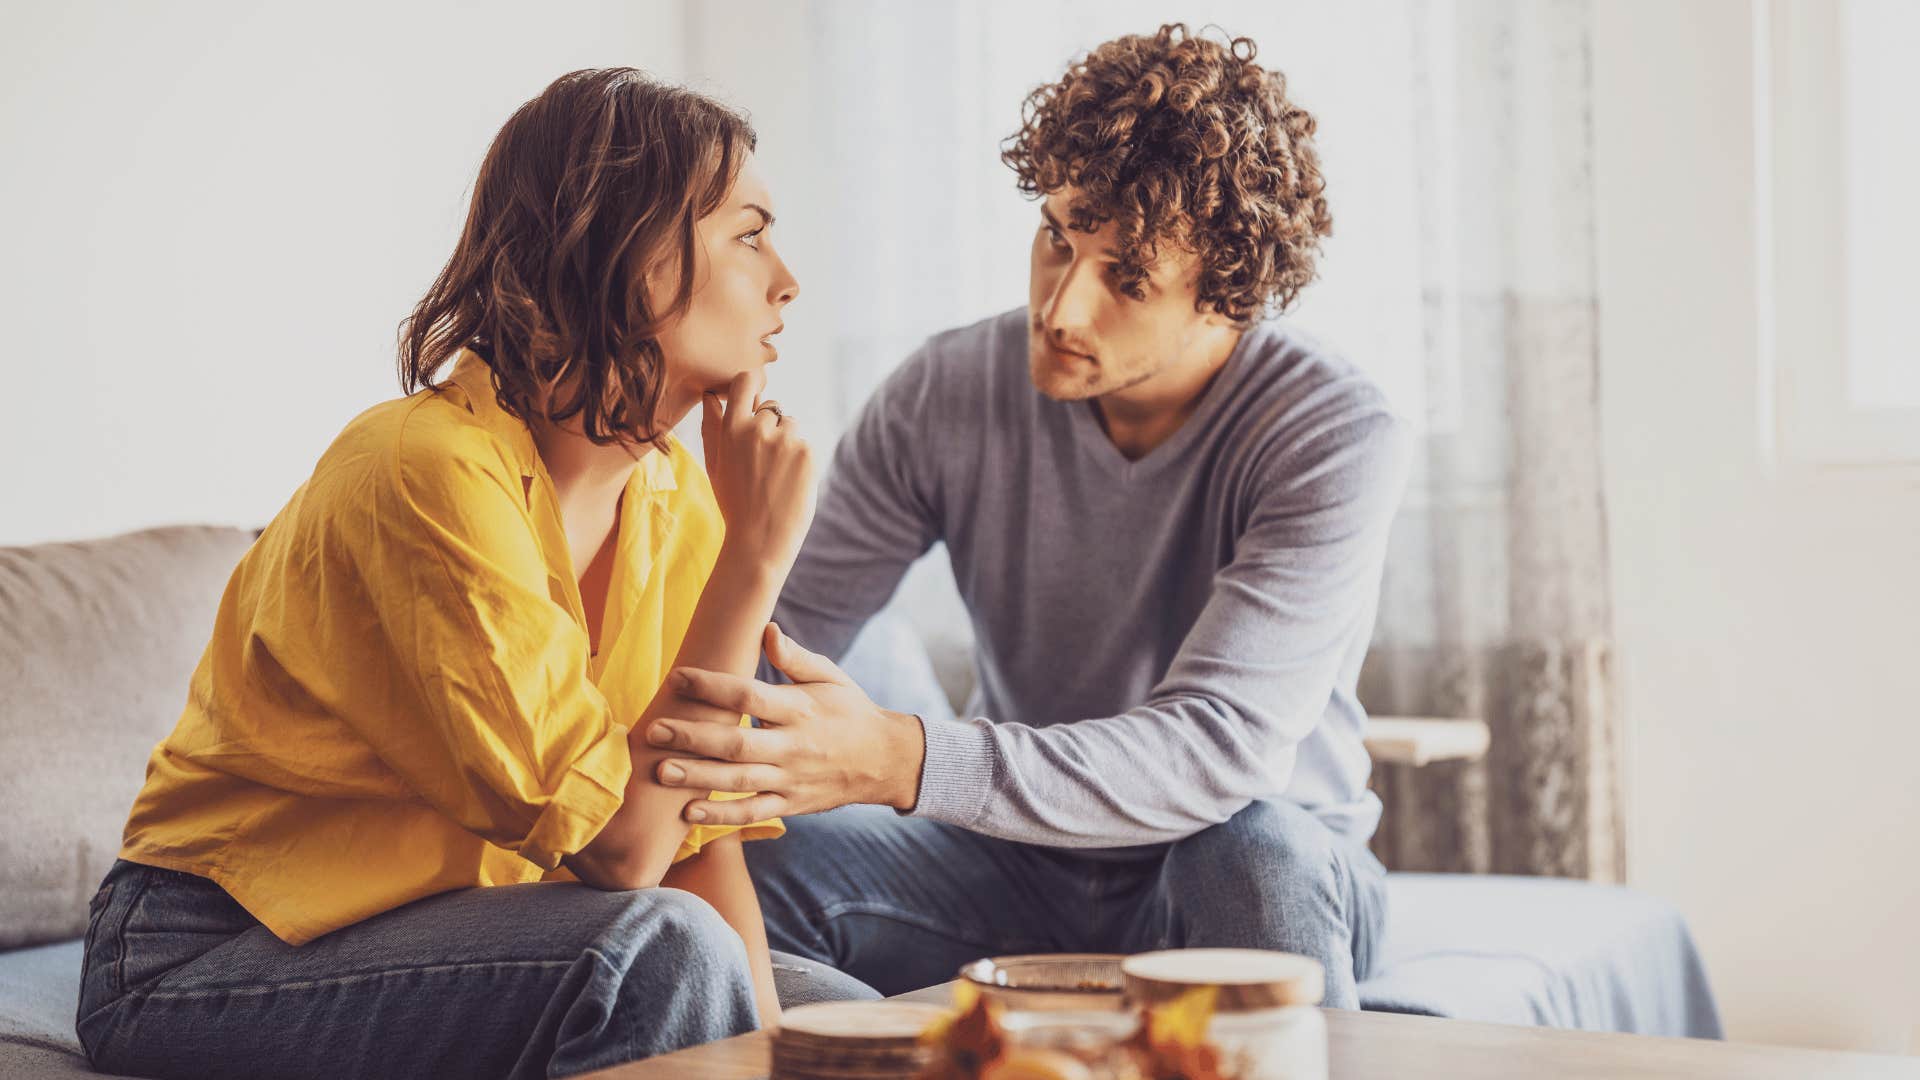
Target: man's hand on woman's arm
column 824, row 743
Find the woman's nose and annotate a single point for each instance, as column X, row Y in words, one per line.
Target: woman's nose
column 785, row 285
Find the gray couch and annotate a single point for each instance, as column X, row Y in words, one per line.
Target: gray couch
column 98, row 638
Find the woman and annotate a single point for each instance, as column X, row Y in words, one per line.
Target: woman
column 414, row 715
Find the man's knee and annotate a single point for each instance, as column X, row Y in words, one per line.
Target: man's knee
column 1267, row 847
column 1267, row 878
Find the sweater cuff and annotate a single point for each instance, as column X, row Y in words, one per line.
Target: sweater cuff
column 957, row 776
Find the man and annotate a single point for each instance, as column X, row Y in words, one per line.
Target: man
column 1167, row 516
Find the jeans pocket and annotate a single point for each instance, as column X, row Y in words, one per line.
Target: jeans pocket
column 96, row 908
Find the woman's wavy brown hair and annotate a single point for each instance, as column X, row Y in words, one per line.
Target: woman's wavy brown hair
column 1183, row 140
column 581, row 192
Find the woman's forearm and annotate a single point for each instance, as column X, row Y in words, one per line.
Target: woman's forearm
column 637, row 845
column 718, row 875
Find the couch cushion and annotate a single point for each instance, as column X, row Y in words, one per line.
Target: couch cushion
column 1565, row 954
column 888, row 661
column 97, row 642
column 38, row 991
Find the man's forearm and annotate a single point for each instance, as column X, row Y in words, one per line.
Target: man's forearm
column 1156, row 774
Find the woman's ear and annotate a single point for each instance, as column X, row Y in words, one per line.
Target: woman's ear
column 656, row 279
column 660, row 274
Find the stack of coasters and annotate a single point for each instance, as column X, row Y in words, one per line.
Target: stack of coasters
column 853, row 1040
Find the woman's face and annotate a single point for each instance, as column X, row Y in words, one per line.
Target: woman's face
column 740, row 288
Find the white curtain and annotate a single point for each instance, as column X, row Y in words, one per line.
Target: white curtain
column 1496, row 598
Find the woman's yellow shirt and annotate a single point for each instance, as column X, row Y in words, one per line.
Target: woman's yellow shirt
column 399, row 697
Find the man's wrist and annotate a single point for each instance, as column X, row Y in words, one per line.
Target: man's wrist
column 906, row 754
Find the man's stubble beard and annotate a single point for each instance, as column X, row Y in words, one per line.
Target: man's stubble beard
column 1076, row 389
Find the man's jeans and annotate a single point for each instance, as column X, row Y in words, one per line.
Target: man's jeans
column 902, row 903
column 514, row 980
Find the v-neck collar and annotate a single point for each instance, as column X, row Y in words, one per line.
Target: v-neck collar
column 646, row 521
column 646, row 492
column 1095, row 441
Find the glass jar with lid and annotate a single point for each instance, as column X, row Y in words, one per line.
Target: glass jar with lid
column 1045, row 1017
column 1258, row 1009
column 1067, row 1045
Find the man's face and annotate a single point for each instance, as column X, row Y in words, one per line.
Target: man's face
column 1087, row 338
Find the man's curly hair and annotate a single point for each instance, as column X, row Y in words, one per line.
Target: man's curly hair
column 1183, row 140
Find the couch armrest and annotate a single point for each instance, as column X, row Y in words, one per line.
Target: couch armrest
column 1417, row 740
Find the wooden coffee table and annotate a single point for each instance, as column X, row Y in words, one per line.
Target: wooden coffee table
column 1366, row 1045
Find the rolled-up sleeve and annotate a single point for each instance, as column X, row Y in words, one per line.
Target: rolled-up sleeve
column 580, row 807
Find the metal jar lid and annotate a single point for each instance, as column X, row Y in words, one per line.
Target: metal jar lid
column 1244, row 980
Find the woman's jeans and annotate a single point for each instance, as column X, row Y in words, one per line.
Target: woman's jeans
column 516, row 981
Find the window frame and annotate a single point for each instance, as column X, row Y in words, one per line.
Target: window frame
column 1800, row 91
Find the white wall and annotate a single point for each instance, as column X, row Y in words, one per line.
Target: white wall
column 215, row 214
column 1767, row 611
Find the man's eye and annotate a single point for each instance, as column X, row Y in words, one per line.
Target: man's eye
column 1054, row 237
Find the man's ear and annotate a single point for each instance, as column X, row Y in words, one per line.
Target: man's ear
column 1219, row 321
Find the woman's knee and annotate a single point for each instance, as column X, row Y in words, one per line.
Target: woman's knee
column 665, row 971
column 678, row 931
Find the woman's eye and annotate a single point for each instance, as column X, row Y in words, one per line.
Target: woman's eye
column 752, row 239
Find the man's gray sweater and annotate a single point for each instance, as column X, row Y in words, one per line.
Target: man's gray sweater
column 1158, row 642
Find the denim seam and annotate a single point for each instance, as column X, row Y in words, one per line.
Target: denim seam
column 335, row 980
column 137, row 894
column 884, row 911
column 98, row 916
column 149, row 993
column 1350, row 911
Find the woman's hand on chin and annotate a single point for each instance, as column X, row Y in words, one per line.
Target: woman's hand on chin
column 761, row 471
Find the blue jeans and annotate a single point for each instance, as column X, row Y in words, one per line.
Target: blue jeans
column 902, row 903
column 515, row 980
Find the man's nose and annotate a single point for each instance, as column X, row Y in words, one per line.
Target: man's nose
column 1072, row 305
